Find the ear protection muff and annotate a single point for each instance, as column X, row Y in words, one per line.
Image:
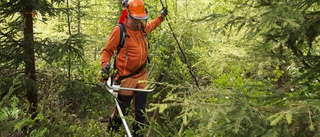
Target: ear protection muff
column 125, row 3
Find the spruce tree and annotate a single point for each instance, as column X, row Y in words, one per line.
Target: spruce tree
column 19, row 50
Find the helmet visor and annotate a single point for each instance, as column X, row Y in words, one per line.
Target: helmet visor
column 140, row 17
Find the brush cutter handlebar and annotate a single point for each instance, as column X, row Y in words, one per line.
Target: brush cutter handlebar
column 108, row 84
column 118, row 88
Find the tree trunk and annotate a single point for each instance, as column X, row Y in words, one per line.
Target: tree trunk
column 79, row 17
column 69, row 44
column 29, row 59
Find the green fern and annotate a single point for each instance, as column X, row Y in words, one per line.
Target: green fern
column 289, row 118
column 12, row 111
column 4, row 114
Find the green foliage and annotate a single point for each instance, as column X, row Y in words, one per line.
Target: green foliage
column 252, row 94
column 257, row 64
column 58, row 115
column 10, row 117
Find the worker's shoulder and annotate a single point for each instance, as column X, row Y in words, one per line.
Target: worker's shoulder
column 116, row 28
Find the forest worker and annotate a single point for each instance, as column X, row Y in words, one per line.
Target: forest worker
column 131, row 59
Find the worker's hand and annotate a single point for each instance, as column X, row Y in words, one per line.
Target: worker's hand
column 106, row 70
column 164, row 12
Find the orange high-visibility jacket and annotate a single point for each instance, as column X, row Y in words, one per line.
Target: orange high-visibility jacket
column 134, row 52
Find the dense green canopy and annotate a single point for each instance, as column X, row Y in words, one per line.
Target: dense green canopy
column 233, row 68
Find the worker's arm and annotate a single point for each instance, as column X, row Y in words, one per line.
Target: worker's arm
column 111, row 45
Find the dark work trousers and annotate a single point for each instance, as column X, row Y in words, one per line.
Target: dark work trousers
column 139, row 105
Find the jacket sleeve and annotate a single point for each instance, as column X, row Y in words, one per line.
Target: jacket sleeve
column 111, row 45
column 153, row 24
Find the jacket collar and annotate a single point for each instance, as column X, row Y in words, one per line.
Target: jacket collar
column 131, row 27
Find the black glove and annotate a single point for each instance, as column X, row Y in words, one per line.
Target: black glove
column 164, row 12
column 106, row 70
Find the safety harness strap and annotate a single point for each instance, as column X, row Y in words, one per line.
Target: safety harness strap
column 118, row 81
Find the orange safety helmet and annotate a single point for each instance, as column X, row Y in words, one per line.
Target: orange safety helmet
column 136, row 9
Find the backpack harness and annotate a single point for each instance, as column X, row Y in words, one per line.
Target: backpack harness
column 123, row 36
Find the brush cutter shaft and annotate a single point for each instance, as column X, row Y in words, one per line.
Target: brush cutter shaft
column 122, row 118
column 113, row 89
